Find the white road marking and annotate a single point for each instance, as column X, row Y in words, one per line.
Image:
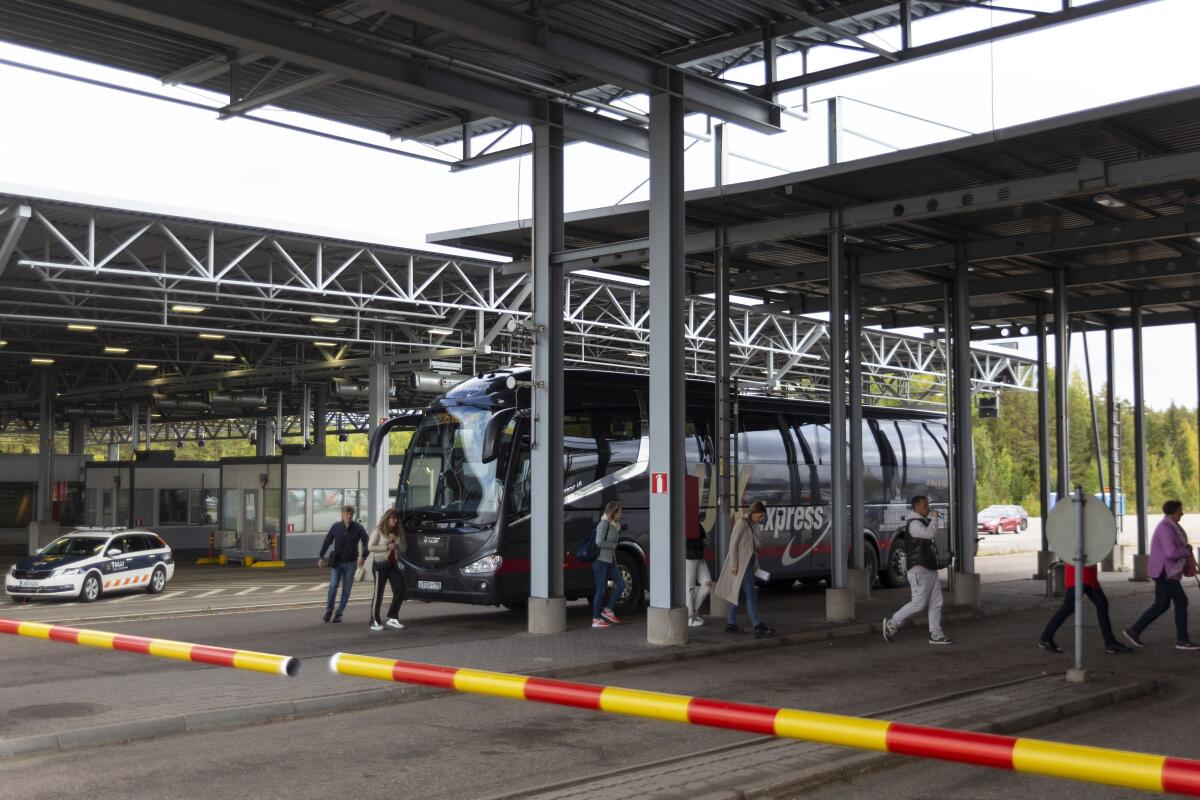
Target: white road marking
column 324, row 585
column 122, row 598
column 283, row 589
column 248, row 591
column 165, row 595
column 210, row 593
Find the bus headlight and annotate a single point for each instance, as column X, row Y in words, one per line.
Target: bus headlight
column 484, row 566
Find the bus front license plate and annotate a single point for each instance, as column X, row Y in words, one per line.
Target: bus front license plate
column 432, row 586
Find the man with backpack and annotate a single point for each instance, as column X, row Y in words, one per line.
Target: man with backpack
column 922, row 562
column 348, row 546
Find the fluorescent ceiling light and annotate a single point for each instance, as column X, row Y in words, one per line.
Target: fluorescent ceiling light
column 441, row 331
column 223, row 357
column 613, row 276
column 183, row 308
column 737, row 299
column 214, row 336
column 1108, row 201
column 3, row 342
column 777, row 291
column 145, row 366
column 324, row 320
column 636, row 354
column 41, row 361
column 76, row 326
column 324, row 344
column 118, row 350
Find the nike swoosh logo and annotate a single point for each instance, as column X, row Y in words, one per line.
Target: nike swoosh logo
column 787, row 559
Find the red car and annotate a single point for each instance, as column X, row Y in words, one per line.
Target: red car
column 999, row 519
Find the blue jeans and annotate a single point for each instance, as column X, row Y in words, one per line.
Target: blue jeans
column 603, row 572
column 343, row 573
column 750, row 590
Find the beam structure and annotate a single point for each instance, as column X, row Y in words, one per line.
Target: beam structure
column 1062, row 381
column 966, row 581
column 724, row 477
column 378, row 384
column 857, row 468
column 1043, row 415
column 1141, row 484
column 837, row 425
column 666, row 622
column 547, row 606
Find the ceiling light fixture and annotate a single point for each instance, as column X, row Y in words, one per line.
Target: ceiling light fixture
column 441, row 331
column 78, row 326
column 223, row 357
column 1108, row 201
column 183, row 308
column 636, row 354
column 612, row 276
column 324, row 320
column 117, row 350
column 41, row 361
column 145, row 366
column 324, row 344
column 216, row 337
column 3, row 343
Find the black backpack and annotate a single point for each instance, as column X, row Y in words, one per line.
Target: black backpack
column 588, row 550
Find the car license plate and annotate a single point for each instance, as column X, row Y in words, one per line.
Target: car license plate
column 27, row 584
column 432, row 586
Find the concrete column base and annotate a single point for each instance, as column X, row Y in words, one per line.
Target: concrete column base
column 1115, row 561
column 717, row 607
column 667, row 626
column 859, row 582
column 547, row 614
column 1077, row 675
column 1044, row 557
column 41, row 534
column 1141, row 567
column 967, row 589
column 839, row 605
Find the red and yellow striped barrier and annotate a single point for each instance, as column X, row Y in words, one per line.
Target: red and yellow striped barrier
column 163, row 648
column 1074, row 762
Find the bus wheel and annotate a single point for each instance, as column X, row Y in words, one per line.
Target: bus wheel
column 635, row 588
column 896, row 574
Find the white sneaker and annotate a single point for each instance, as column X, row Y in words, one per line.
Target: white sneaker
column 375, row 626
column 695, row 622
column 394, row 623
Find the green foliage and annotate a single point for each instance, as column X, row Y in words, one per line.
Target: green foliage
column 1006, row 450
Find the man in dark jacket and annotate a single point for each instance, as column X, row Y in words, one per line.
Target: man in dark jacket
column 922, row 564
column 347, row 546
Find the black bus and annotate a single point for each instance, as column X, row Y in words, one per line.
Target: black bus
column 464, row 488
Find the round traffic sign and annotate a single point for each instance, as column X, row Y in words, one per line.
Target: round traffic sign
column 1099, row 530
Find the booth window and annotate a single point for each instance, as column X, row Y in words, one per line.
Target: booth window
column 172, row 506
column 297, row 506
column 271, row 510
column 229, row 510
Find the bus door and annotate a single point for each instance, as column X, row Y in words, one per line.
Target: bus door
column 766, row 462
column 814, row 477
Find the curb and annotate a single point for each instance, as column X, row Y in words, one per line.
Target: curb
column 368, row 698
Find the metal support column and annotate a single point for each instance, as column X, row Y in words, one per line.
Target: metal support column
column 720, row 155
column 723, row 477
column 135, row 434
column 547, row 606
column 278, row 438
column 835, row 130
column 666, row 622
column 860, row 579
column 44, row 510
column 77, row 436
column 1116, row 560
column 1062, row 379
column 305, row 415
column 378, row 394
column 1141, row 561
column 320, row 418
column 839, row 598
column 264, row 442
column 966, row 582
column 1043, row 414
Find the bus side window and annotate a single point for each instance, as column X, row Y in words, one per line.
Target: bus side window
column 763, row 452
column 518, row 498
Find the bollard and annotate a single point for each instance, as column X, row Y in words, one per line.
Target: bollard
column 1056, row 579
column 212, row 542
column 1052, row 759
column 163, row 648
column 273, row 535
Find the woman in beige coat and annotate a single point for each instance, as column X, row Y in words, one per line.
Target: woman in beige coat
column 737, row 573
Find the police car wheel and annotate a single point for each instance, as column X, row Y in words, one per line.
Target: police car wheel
column 90, row 591
column 157, row 581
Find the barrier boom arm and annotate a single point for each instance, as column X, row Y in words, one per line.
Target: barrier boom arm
column 163, row 648
column 1037, row 757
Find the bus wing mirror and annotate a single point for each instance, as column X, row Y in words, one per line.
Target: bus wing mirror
column 491, row 434
column 381, row 433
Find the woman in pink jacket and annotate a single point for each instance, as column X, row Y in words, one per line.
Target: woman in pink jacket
column 1169, row 551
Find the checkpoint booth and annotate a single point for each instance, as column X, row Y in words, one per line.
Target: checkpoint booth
column 176, row 499
column 281, row 507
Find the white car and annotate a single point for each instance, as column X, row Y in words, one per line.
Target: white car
column 91, row 562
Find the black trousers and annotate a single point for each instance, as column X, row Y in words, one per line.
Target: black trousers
column 384, row 575
column 1096, row 595
column 1166, row 591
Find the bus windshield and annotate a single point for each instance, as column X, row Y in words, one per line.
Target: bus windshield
column 444, row 476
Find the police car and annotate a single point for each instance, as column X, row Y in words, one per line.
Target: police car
column 90, row 562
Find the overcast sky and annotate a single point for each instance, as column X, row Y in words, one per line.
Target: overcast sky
column 65, row 136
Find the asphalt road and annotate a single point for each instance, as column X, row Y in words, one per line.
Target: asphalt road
column 468, row 747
